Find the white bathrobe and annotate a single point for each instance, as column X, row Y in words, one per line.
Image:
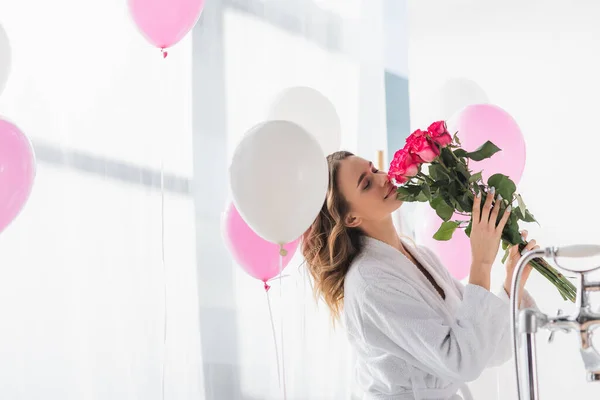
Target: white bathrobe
column 412, row 344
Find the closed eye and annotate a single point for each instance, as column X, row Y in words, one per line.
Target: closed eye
column 368, row 185
column 363, row 175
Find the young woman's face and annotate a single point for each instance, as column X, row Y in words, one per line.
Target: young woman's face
column 368, row 191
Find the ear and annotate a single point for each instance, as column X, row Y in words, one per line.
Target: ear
column 352, row 221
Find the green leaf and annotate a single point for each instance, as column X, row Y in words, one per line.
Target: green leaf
column 475, row 177
column 425, row 190
column 504, row 185
column 446, row 230
column 460, row 167
column 511, row 232
column 437, row 172
column 408, row 193
column 465, row 202
column 518, row 213
column 412, row 193
column 522, row 205
column 421, row 197
column 455, row 189
column 486, row 150
column 468, row 229
column 512, row 235
column 456, row 139
column 455, row 204
column 529, row 217
column 447, row 158
column 442, row 209
column 461, row 153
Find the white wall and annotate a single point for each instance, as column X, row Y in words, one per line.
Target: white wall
column 539, row 60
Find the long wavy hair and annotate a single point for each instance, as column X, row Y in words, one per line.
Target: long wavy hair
column 329, row 246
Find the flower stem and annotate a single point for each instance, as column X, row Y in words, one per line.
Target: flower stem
column 425, row 178
column 453, row 175
column 566, row 289
column 454, row 155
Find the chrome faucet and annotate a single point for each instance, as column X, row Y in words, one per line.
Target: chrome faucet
column 525, row 323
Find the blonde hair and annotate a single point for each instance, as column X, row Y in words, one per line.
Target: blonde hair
column 329, row 246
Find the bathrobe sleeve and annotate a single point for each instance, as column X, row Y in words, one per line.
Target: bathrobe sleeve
column 504, row 352
column 397, row 319
column 504, row 349
column 526, row 302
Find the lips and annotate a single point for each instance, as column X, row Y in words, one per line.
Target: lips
column 392, row 189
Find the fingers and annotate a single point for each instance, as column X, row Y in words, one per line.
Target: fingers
column 514, row 252
column 487, row 207
column 524, row 234
column 532, row 245
column 504, row 220
column 495, row 210
column 477, row 208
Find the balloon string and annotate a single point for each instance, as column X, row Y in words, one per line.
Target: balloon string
column 282, row 253
column 267, row 287
column 162, row 250
column 278, row 278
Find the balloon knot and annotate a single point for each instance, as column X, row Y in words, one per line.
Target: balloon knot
column 282, row 252
column 164, row 53
column 267, row 287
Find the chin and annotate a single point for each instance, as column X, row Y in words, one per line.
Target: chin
column 395, row 205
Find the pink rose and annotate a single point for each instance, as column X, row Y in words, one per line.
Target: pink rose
column 439, row 133
column 437, row 128
column 417, row 133
column 399, row 179
column 418, row 145
column 403, row 166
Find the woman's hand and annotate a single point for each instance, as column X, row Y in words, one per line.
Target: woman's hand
column 485, row 237
column 511, row 264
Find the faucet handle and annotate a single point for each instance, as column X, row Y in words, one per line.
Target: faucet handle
column 551, row 337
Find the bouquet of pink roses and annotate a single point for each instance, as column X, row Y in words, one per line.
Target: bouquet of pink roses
column 450, row 186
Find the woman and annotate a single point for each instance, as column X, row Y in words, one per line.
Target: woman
column 418, row 333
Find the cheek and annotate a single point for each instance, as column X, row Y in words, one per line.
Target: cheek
column 375, row 206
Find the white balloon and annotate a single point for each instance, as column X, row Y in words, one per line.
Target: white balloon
column 311, row 110
column 278, row 178
column 455, row 94
column 5, row 58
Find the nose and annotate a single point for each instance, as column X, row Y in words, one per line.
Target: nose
column 383, row 181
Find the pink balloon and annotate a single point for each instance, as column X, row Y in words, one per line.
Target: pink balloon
column 479, row 123
column 259, row 258
column 165, row 22
column 455, row 253
column 17, row 172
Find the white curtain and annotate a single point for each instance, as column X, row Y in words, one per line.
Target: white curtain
column 82, row 284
